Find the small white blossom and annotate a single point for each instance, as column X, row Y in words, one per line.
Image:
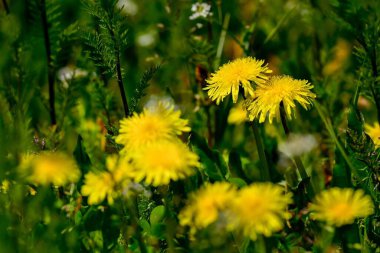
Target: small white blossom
column 128, row 7
column 146, row 39
column 200, row 10
column 67, row 73
column 297, row 145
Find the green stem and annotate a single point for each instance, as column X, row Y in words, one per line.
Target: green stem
column 133, row 208
column 169, row 223
column 6, row 7
column 119, row 74
column 51, row 75
column 260, row 149
column 297, row 159
column 222, row 39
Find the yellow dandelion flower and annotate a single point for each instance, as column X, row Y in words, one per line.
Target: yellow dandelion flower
column 205, row 205
column 120, row 168
column 232, row 75
column 162, row 161
column 277, row 89
column 151, row 125
column 98, row 186
column 340, row 207
column 374, row 133
column 237, row 115
column 52, row 168
column 260, row 209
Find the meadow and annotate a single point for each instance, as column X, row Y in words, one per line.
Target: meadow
column 194, row 126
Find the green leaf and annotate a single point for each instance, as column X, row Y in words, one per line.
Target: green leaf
column 237, row 181
column 157, row 215
column 235, row 165
column 78, row 218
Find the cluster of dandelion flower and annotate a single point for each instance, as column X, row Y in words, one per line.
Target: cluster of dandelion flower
column 260, row 208
column 341, row 206
column 153, row 148
column 264, row 94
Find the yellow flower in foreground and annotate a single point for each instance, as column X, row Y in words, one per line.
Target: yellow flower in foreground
column 277, row 89
column 162, row 123
column 98, row 186
column 374, row 133
column 205, row 205
column 162, row 161
column 260, row 209
column 339, row 206
column 52, row 168
column 240, row 72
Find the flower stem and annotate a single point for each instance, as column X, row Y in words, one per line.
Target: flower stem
column 6, row 6
column 297, row 159
column 260, row 149
column 118, row 73
column 134, row 212
column 45, row 26
column 301, row 168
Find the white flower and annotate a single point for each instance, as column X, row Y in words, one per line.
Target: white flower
column 128, row 7
column 146, row 39
column 67, row 73
column 297, row 145
column 200, row 10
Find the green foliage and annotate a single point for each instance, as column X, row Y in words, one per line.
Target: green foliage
column 95, row 62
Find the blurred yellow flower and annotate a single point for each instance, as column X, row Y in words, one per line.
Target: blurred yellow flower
column 260, row 209
column 151, row 125
column 162, row 161
column 205, row 205
column 120, row 168
column 277, row 89
column 340, row 207
column 98, row 186
column 237, row 115
column 374, row 133
column 232, row 75
column 4, row 186
column 51, row 168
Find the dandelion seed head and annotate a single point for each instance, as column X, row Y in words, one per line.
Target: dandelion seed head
column 297, row 144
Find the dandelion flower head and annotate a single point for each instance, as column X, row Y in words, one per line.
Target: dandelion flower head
column 240, row 72
column 98, row 186
column 339, row 207
column 160, row 162
column 51, row 168
column 205, row 206
column 162, row 123
column 260, row 209
column 374, row 133
column 277, row 90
